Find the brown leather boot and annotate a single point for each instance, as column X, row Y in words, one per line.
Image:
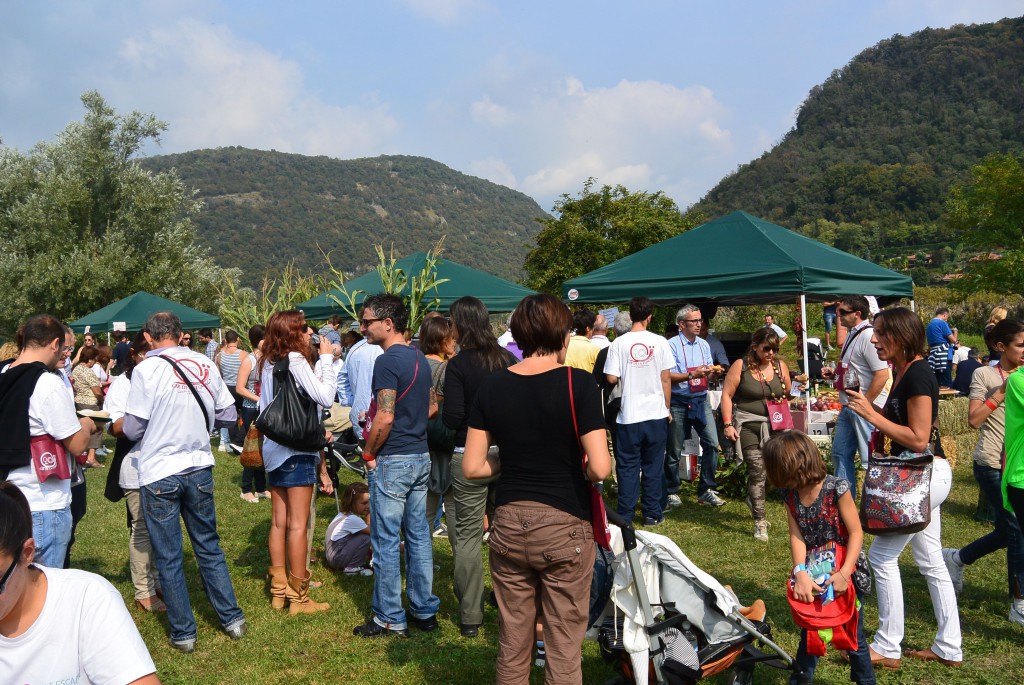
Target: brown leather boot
column 298, row 597
column 278, row 587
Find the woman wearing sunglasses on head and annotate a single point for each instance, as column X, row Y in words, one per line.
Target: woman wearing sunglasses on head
column 751, row 383
column 60, row 625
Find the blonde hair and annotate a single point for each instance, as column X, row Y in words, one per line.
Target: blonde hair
column 8, row 350
column 997, row 315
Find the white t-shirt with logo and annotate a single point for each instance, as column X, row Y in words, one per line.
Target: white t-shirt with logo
column 176, row 440
column 862, row 357
column 115, row 405
column 638, row 358
column 51, row 411
column 83, row 635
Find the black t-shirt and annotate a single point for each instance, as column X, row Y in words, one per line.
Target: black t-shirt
column 530, row 420
column 462, row 380
column 120, row 354
column 395, row 370
column 918, row 379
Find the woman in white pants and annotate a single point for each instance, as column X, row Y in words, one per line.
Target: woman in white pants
column 908, row 420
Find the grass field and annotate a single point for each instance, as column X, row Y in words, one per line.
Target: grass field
column 322, row 649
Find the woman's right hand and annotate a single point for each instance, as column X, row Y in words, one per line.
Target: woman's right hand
column 732, row 433
column 325, row 346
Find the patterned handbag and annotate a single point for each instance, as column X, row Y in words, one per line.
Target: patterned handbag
column 897, row 493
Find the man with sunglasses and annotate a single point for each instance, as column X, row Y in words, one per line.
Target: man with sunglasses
column 860, row 369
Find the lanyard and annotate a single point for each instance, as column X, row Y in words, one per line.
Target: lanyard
column 683, row 343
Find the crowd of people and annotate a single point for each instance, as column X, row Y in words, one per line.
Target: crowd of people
column 505, row 435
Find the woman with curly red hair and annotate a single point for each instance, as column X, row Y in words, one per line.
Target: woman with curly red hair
column 292, row 473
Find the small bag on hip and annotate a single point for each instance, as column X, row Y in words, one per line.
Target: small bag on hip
column 598, row 514
column 49, row 459
column 897, row 493
column 252, row 449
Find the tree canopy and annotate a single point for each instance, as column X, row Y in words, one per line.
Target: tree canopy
column 82, row 224
column 989, row 213
column 597, row 227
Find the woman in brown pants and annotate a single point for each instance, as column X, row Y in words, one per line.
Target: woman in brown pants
column 541, row 544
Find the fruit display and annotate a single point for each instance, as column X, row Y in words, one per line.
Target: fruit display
column 827, row 400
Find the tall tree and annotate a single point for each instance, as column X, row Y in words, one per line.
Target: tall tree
column 989, row 213
column 82, row 224
column 596, row 228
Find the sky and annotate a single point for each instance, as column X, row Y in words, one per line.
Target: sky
column 656, row 95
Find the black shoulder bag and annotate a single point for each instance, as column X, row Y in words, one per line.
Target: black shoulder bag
column 292, row 418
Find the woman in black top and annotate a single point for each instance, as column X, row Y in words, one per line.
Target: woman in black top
column 479, row 356
column 541, row 544
column 909, row 421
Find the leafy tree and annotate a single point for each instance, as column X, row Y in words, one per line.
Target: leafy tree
column 596, row 228
column 82, row 224
column 989, row 214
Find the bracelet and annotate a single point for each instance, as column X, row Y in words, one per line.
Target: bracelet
column 798, row 568
column 731, row 423
column 990, row 403
column 369, row 457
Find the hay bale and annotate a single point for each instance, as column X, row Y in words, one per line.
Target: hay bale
column 963, row 447
column 953, row 416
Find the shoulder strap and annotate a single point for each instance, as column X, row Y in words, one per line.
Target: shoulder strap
column 575, row 423
column 181, row 372
column 850, row 340
column 415, row 372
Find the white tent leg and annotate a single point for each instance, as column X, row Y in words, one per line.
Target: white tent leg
column 807, row 364
column 913, row 306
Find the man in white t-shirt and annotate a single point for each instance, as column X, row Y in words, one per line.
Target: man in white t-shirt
column 34, row 404
column 769, row 322
column 177, row 398
column 859, row 368
column 61, row 626
column 640, row 362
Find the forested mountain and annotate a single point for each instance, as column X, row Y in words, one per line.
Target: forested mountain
column 264, row 209
column 876, row 146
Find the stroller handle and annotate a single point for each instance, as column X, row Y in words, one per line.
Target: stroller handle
column 628, row 531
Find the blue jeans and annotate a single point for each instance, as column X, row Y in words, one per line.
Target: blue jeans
column 188, row 496
column 641, row 461
column 52, row 532
column 1007, row 532
column 677, row 434
column 830, row 321
column 861, row 671
column 398, row 500
column 852, row 434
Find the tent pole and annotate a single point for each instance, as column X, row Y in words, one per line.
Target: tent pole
column 807, row 365
column 913, row 306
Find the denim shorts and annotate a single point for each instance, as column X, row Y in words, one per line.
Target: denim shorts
column 297, row 471
column 830, row 320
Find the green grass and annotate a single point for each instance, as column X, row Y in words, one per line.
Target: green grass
column 322, row 649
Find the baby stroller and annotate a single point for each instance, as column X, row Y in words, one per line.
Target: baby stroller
column 668, row 621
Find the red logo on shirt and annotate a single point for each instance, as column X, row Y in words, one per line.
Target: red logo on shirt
column 198, row 371
column 640, row 352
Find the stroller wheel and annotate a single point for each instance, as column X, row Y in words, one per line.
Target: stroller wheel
column 742, row 676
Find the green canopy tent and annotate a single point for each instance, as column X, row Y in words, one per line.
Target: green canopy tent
column 737, row 260
column 135, row 309
column 497, row 294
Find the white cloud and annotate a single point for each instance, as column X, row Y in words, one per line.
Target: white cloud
column 637, row 133
column 216, row 89
column 441, row 11
column 494, row 170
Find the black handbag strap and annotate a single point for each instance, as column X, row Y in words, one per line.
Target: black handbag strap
column 195, row 394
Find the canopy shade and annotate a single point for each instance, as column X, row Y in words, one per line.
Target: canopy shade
column 737, row 260
column 135, row 309
column 497, row 294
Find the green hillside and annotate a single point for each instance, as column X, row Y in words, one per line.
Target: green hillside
column 264, row 209
column 876, row 146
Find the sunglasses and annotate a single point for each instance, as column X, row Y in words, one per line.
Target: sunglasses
column 844, row 312
column 769, row 348
column 365, row 323
column 7, row 575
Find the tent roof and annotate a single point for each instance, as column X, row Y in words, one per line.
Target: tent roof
column 497, row 294
column 135, row 309
column 737, row 260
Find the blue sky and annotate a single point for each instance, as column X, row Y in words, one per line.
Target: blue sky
column 538, row 96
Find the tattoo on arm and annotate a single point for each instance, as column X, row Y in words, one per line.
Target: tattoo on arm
column 386, row 401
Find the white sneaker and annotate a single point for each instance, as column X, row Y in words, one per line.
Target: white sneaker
column 711, row 498
column 102, row 451
column 956, row 570
column 674, row 501
column 761, row 530
column 222, row 447
column 1017, row 612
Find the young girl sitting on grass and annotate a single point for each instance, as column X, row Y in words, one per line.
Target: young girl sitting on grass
column 821, row 510
column 347, row 546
